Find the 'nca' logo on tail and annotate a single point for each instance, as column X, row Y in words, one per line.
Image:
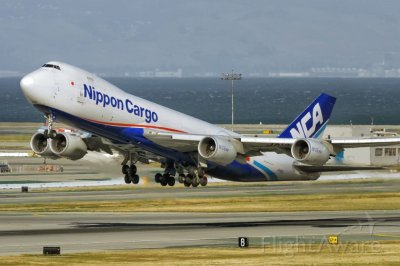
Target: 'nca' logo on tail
column 312, row 121
column 302, row 130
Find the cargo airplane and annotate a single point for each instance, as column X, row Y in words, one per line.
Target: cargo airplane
column 110, row 120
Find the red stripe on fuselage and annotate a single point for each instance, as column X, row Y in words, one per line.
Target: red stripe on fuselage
column 135, row 125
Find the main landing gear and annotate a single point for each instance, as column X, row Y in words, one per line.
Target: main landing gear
column 130, row 172
column 195, row 176
column 165, row 179
column 191, row 179
column 168, row 178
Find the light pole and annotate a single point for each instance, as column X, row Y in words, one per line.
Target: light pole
column 232, row 76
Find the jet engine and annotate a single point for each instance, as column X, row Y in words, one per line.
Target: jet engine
column 310, row 151
column 68, row 146
column 218, row 150
column 41, row 146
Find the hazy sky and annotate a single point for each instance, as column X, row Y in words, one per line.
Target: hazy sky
column 199, row 36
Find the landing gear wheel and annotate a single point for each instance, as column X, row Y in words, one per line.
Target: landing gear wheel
column 195, row 182
column 52, row 134
column 127, row 179
column 157, row 178
column 49, row 134
column 200, row 172
column 164, row 180
column 203, row 181
column 125, row 169
column 188, row 180
column 171, row 181
column 135, row 179
column 181, row 178
column 132, row 170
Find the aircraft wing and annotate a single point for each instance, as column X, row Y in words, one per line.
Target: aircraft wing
column 267, row 144
column 264, row 144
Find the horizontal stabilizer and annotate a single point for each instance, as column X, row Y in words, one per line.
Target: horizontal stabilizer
column 333, row 168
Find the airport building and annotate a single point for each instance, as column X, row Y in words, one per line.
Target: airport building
column 377, row 156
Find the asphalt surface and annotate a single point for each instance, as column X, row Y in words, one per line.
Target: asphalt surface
column 156, row 192
column 25, row 232
column 79, row 232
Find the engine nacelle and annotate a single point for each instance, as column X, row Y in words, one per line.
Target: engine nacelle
column 41, row 146
column 310, row 151
column 218, row 150
column 68, row 146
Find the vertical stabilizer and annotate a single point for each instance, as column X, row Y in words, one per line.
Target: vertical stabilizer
column 313, row 120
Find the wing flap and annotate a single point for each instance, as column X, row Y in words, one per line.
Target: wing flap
column 364, row 142
column 179, row 142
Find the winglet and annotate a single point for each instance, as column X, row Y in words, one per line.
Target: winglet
column 313, row 120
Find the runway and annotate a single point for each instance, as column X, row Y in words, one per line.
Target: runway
column 28, row 232
column 81, row 232
column 155, row 192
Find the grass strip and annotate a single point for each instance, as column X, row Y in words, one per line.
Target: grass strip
column 248, row 203
column 367, row 253
column 15, row 138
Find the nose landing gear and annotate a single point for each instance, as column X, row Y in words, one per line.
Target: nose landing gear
column 49, row 132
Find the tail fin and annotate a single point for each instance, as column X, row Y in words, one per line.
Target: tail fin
column 312, row 121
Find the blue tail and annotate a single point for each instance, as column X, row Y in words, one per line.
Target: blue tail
column 312, row 121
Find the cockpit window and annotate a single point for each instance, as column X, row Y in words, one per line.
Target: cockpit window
column 52, row 66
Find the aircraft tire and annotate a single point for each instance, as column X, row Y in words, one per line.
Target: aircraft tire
column 181, row 178
column 188, row 180
column 125, row 169
column 132, row 170
column 171, row 181
column 157, row 178
column 164, row 179
column 203, row 181
column 135, row 179
column 195, row 182
column 127, row 179
column 52, row 134
column 163, row 182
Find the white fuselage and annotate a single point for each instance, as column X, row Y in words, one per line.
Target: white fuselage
column 88, row 102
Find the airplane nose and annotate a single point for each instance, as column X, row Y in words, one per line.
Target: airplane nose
column 27, row 83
